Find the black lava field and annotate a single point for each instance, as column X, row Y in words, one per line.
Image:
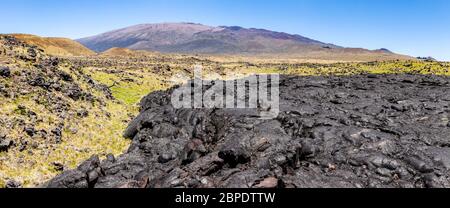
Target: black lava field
column 351, row 131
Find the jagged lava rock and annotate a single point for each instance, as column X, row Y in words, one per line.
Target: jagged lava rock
column 351, row 131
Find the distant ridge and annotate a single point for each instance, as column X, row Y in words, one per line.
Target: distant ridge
column 56, row 46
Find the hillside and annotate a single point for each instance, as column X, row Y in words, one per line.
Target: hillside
column 190, row 38
column 56, row 46
column 49, row 112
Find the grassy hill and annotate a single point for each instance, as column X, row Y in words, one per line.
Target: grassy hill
column 56, row 46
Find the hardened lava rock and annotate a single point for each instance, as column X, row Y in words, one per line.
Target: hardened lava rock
column 358, row 131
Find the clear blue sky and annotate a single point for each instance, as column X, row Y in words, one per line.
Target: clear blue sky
column 414, row 27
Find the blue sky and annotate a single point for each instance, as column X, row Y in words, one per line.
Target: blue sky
column 414, row 27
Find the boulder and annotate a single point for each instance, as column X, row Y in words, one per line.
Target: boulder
column 5, row 143
column 5, row 71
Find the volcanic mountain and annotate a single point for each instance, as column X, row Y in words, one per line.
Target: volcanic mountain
column 197, row 38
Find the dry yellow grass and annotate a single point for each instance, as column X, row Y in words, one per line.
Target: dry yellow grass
column 318, row 57
column 56, row 46
column 125, row 52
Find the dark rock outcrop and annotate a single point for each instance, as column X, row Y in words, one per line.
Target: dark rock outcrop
column 13, row 184
column 5, row 71
column 5, row 143
column 359, row 131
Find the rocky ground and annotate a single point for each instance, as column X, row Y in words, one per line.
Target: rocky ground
column 350, row 131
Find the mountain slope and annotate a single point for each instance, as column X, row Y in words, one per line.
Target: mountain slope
column 150, row 35
column 56, row 46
